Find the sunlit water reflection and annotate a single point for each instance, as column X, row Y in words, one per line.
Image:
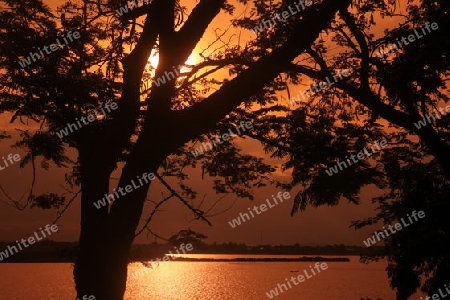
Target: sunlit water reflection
column 207, row 280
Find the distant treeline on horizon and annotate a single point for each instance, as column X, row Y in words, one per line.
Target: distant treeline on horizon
column 50, row 251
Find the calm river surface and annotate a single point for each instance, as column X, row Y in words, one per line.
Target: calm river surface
column 207, row 280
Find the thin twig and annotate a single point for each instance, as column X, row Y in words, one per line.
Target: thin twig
column 197, row 212
column 151, row 215
column 158, row 236
column 67, row 206
column 17, row 204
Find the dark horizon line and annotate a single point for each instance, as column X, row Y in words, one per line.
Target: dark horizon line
column 211, row 244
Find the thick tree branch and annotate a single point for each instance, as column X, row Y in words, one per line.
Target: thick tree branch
column 428, row 135
column 177, row 127
column 124, row 119
column 260, row 74
column 231, row 95
column 360, row 38
column 194, row 28
column 175, row 48
column 370, row 100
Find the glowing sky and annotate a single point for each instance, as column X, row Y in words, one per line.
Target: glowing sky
column 325, row 225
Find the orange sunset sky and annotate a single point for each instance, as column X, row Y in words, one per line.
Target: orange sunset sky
column 316, row 226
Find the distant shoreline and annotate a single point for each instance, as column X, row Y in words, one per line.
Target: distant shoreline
column 48, row 251
column 187, row 259
column 267, row 259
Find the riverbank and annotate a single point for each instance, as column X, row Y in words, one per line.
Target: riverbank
column 48, row 251
column 267, row 259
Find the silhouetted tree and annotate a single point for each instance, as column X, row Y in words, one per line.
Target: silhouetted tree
column 151, row 128
column 382, row 100
column 188, row 236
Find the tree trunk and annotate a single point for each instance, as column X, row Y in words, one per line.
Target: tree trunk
column 101, row 266
column 106, row 235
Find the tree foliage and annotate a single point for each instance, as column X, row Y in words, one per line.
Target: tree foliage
column 155, row 127
column 383, row 99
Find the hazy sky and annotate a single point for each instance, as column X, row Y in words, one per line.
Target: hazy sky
column 321, row 226
column 324, row 225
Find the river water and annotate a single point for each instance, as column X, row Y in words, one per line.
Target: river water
column 208, row 280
